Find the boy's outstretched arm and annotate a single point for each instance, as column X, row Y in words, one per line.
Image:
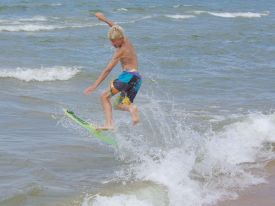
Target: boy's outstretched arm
column 104, row 73
column 101, row 17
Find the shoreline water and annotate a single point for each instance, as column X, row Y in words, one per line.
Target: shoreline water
column 262, row 194
column 206, row 104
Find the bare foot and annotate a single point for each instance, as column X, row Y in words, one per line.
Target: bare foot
column 105, row 128
column 134, row 113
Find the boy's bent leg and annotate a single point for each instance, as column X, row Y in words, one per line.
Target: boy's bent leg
column 134, row 112
column 132, row 108
column 107, row 107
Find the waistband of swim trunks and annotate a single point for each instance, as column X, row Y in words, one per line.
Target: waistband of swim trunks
column 130, row 70
column 135, row 73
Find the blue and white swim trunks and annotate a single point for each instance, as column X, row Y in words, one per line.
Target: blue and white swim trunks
column 128, row 84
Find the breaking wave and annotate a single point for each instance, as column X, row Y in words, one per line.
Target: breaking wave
column 188, row 167
column 234, row 14
column 180, row 16
column 42, row 74
column 41, row 23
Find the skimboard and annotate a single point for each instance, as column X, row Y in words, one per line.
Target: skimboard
column 90, row 127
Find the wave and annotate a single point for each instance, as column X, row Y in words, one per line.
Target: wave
column 191, row 168
column 41, row 23
column 181, row 5
column 122, row 9
column 25, row 24
column 180, row 16
column 123, row 199
column 156, row 16
column 29, row 28
column 42, row 74
column 188, row 16
column 234, row 14
column 21, row 193
column 24, row 7
column 136, row 20
column 34, row 18
column 135, row 9
column 56, row 4
column 31, row 19
column 13, row 7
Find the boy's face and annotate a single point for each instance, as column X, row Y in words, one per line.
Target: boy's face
column 117, row 42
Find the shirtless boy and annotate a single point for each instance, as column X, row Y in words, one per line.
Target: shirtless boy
column 128, row 82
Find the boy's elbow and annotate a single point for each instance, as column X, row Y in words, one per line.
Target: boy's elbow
column 107, row 70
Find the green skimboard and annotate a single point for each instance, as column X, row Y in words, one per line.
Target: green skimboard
column 91, row 128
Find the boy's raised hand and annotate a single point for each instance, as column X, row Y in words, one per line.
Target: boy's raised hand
column 100, row 16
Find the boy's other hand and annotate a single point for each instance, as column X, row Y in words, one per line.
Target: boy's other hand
column 89, row 90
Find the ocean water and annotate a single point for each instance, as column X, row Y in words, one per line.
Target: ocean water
column 207, row 102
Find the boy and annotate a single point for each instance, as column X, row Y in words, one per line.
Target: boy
column 129, row 81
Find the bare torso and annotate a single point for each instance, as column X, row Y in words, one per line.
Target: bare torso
column 126, row 54
column 128, row 59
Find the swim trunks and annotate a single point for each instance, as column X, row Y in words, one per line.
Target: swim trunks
column 128, row 84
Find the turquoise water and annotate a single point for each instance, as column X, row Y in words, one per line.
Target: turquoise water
column 206, row 104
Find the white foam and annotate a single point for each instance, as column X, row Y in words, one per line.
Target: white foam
column 191, row 167
column 116, row 200
column 40, row 27
column 28, row 28
column 122, row 9
column 180, row 16
column 56, row 4
column 42, row 74
column 247, row 136
column 201, row 168
column 179, row 5
column 199, row 12
column 34, row 18
column 238, row 14
column 32, row 24
column 39, row 23
column 136, row 20
column 217, row 158
column 23, row 20
column 235, row 14
column 135, row 195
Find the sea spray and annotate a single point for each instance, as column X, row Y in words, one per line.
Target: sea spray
column 193, row 168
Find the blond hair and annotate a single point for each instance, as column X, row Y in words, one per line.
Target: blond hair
column 116, row 32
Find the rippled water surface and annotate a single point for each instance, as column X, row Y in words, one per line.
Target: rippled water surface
column 206, row 104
